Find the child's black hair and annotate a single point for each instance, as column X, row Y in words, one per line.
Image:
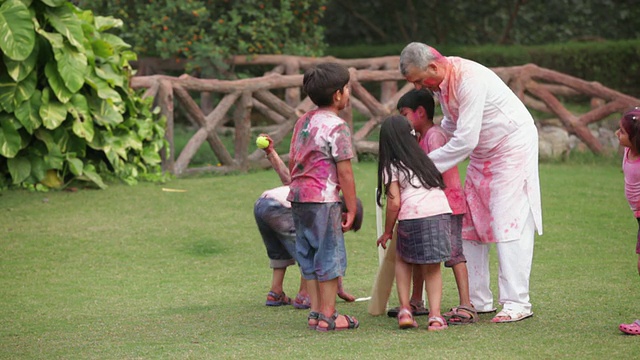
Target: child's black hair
column 631, row 124
column 400, row 149
column 323, row 80
column 416, row 98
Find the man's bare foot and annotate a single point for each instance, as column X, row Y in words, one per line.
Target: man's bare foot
column 346, row 296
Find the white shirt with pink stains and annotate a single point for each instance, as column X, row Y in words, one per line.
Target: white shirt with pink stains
column 418, row 202
column 320, row 140
column 492, row 127
column 631, row 169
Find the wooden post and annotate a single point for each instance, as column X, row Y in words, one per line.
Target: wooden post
column 388, row 88
column 292, row 94
column 165, row 100
column 242, row 120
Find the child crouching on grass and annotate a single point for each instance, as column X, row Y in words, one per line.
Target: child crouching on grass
column 320, row 166
column 629, row 137
column 413, row 189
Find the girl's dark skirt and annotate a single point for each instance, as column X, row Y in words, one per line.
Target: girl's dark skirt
column 425, row 240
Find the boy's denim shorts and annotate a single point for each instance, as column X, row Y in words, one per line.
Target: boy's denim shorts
column 320, row 250
column 275, row 223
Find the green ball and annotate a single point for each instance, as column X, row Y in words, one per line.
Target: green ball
column 262, row 142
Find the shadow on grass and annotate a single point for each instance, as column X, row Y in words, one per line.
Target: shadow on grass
column 204, row 247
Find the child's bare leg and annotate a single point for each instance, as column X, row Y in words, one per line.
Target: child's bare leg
column 314, row 295
column 403, row 282
column 328, row 292
column 303, row 287
column 461, row 274
column 277, row 280
column 433, row 277
column 418, row 283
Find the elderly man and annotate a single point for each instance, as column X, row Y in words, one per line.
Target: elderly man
column 491, row 126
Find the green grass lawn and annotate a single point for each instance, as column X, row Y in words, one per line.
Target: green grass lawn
column 134, row 272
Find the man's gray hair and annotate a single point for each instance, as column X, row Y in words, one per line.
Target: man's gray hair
column 418, row 55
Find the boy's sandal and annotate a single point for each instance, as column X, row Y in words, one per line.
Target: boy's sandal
column 312, row 320
column 461, row 315
column 631, row 329
column 302, row 302
column 507, row 316
column 352, row 323
column 274, row 299
column 417, row 308
column 437, row 323
column 406, row 320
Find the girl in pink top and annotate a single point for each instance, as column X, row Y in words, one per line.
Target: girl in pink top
column 629, row 137
column 413, row 187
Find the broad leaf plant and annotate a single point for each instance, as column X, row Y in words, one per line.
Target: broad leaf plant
column 66, row 109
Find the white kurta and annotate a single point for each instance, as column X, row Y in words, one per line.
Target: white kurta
column 495, row 130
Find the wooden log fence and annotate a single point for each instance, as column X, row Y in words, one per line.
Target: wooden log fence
column 537, row 87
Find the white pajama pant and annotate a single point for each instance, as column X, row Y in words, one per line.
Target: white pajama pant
column 514, row 269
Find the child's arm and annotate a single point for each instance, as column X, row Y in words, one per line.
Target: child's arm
column 276, row 162
column 393, row 208
column 348, row 186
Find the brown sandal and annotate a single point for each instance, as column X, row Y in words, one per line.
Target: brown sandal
column 461, row 315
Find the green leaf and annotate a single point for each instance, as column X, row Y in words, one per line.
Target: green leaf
column 18, row 70
column 10, row 140
column 66, row 23
column 17, row 36
column 115, row 41
column 107, row 73
column 75, row 165
column 53, row 3
column 105, row 23
column 83, row 127
column 52, row 113
column 54, row 159
column 26, row 87
column 90, row 173
column 105, row 113
column 12, row 93
column 28, row 112
column 7, row 92
column 150, row 156
column 38, row 169
column 102, row 88
column 56, row 40
column 19, row 168
column 79, row 102
column 57, row 83
column 72, row 66
column 102, row 48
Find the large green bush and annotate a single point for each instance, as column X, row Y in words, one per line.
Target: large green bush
column 68, row 111
column 206, row 32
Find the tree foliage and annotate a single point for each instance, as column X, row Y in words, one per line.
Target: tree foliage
column 67, row 109
column 522, row 22
column 206, row 32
